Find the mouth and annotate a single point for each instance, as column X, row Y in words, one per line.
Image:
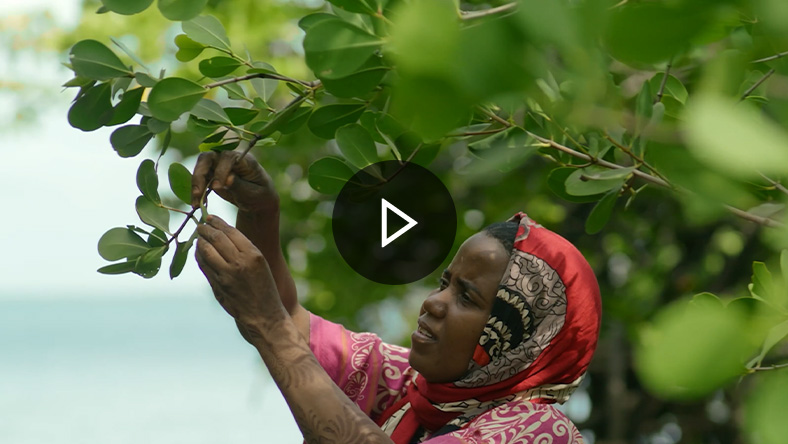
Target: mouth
column 424, row 333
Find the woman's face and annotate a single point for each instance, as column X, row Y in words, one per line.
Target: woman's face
column 453, row 316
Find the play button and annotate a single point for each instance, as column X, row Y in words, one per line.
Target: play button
column 394, row 223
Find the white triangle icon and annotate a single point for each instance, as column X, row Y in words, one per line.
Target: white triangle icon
column 385, row 239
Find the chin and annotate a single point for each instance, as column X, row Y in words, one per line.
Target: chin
column 434, row 374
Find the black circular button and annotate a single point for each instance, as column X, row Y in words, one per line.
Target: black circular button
column 394, row 223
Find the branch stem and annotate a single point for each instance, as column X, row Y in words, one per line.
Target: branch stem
column 664, row 82
column 756, row 85
column 470, row 15
column 768, row 367
column 774, row 57
column 259, row 75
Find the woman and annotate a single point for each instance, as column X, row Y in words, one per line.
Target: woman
column 510, row 331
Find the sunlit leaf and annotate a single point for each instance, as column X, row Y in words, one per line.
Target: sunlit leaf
column 264, row 88
column 241, row 116
column 209, row 110
column 360, row 6
column 93, row 60
column 180, row 182
column 218, row 66
column 361, row 82
column 188, row 49
column 148, row 181
column 152, row 214
column 595, row 180
column 174, row 96
column 119, row 243
column 207, row 30
column 311, row 20
column 328, row 175
column 180, row 10
column 128, row 141
column 128, row 106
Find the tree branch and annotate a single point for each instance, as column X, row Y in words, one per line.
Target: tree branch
column 774, row 57
column 756, row 85
column 259, row 75
column 775, row 184
column 664, row 82
column 471, row 15
column 768, row 367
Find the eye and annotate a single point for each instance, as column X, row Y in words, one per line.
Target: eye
column 443, row 283
column 465, row 298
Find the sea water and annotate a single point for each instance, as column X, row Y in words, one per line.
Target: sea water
column 132, row 369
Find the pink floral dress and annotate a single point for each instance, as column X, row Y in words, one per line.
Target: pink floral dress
column 374, row 375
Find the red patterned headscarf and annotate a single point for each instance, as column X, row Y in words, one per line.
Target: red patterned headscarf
column 536, row 345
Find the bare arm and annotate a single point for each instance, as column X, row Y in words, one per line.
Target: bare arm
column 243, row 284
column 244, row 183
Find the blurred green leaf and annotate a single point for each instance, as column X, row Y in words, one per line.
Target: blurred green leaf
column 93, row 110
column 119, row 243
column 207, row 30
column 311, row 20
column 180, row 182
column 93, row 60
column 218, row 66
column 128, row 141
column 673, row 87
column 773, row 337
column 156, row 126
column 152, row 214
column 359, row 6
column 556, row 181
column 601, row 213
column 145, row 80
column 325, row 121
column 126, row 7
column 764, row 413
column 180, row 258
column 735, row 138
column 689, row 350
column 264, row 88
column 595, row 180
column 180, row 10
column 328, row 175
column 148, row 181
column 361, row 82
column 128, row 106
column 174, row 96
column 299, row 117
column 336, row 49
column 356, row 145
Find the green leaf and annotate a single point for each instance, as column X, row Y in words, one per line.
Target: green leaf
column 595, row 180
column 265, row 88
column 119, row 268
column 328, row 175
column 93, row 110
column 148, row 181
column 218, row 66
column 764, row 413
column 152, row 214
column 145, row 80
column 313, row 19
column 180, row 10
column 556, row 181
column 775, row 335
column 673, row 87
column 241, row 116
column 172, row 97
column 735, row 138
column 207, row 109
column 128, row 106
column 207, row 30
column 325, row 121
column 119, row 243
column 235, row 91
column 673, row 355
column 157, row 238
column 128, row 141
column 336, row 49
column 356, row 145
column 643, row 107
column 358, row 6
column 180, row 182
column 361, row 82
column 80, row 82
column 156, row 126
column 149, row 263
column 601, row 213
column 412, row 148
column 179, row 259
column 93, row 60
column 126, row 7
column 188, row 49
column 298, row 119
column 128, row 52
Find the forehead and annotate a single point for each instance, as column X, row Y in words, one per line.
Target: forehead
column 480, row 257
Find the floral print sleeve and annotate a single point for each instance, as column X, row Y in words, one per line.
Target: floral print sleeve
column 370, row 372
column 519, row 422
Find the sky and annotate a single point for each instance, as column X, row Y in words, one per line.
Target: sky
column 63, row 188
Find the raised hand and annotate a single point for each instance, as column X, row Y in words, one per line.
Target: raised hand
column 238, row 180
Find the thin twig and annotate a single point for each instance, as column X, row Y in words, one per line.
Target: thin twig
column 479, row 133
column 189, row 216
column 470, row 15
column 774, row 57
column 664, row 82
column 756, row 85
column 768, row 367
column 634, row 156
column 775, row 184
column 259, row 75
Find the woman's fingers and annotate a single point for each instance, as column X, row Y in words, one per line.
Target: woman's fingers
column 203, row 172
column 208, row 254
column 239, row 241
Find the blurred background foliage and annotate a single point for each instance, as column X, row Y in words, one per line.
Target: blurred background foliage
column 651, row 134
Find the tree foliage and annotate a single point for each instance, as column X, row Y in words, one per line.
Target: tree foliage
column 661, row 124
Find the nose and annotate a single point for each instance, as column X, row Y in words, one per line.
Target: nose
column 435, row 304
